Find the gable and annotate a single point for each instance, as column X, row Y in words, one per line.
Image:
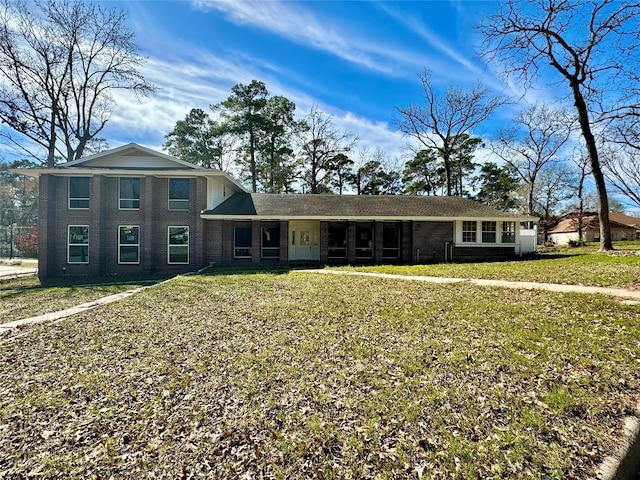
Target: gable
column 131, row 156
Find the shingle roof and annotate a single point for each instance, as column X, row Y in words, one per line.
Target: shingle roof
column 341, row 206
column 590, row 221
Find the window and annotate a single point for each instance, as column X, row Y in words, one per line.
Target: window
column 178, row 244
column 337, row 242
column 364, row 241
column 508, row 232
column 469, row 231
column 242, row 242
column 489, row 232
column 391, row 241
column 129, row 244
column 271, row 242
column 78, row 244
column 178, row 194
column 129, row 193
column 79, row 192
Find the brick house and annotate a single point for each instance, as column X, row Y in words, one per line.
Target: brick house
column 623, row 227
column 133, row 210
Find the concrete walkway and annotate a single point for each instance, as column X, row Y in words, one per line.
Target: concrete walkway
column 627, row 296
column 10, row 271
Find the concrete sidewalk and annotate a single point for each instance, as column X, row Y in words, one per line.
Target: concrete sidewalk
column 11, row 271
column 627, row 296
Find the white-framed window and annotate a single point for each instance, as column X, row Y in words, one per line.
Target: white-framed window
column 79, row 188
column 179, row 194
column 242, row 241
column 270, row 242
column 78, row 244
column 508, row 232
column 469, row 231
column 129, row 193
column 489, row 232
column 129, row 244
column 178, row 251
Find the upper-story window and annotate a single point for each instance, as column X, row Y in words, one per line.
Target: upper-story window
column 129, row 194
column 178, row 194
column 469, row 229
column 79, row 192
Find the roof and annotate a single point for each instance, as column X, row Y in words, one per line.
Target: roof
column 271, row 205
column 590, row 221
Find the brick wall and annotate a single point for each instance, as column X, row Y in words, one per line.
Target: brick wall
column 104, row 218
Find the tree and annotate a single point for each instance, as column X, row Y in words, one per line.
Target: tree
column 200, row 140
column 590, row 46
column 462, row 164
column 278, row 165
column 535, row 141
column 342, row 168
column 498, row 186
column 243, row 112
column 622, row 168
column 555, row 185
column 441, row 121
column 18, row 195
column 423, row 174
column 60, row 63
column 320, row 142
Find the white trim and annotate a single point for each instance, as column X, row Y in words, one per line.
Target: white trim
column 120, row 199
column 88, row 199
column 169, row 244
column 169, row 200
column 69, row 244
column 248, row 218
column 137, row 245
column 124, row 148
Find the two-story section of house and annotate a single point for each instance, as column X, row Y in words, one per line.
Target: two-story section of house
column 132, row 210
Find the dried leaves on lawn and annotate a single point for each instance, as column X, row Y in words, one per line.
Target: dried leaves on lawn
column 308, row 376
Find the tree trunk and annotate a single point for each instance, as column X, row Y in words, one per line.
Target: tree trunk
column 598, row 176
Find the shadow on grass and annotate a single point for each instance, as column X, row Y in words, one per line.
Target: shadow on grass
column 248, row 270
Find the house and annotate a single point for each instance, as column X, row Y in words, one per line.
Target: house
column 133, row 210
column 623, row 227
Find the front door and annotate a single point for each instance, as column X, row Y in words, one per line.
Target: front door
column 304, row 240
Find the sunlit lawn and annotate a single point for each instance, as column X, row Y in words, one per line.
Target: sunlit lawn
column 581, row 266
column 26, row 297
column 301, row 376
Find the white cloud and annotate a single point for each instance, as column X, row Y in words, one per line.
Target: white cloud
column 294, row 23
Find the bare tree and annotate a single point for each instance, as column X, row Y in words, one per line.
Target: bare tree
column 555, row 185
column 535, row 140
column 584, row 169
column 442, row 121
column 60, row 63
column 320, row 142
column 622, row 168
column 588, row 44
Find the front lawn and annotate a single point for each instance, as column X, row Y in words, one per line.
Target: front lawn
column 298, row 375
column 576, row 266
column 26, row 297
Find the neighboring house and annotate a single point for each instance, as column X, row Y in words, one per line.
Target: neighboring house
column 133, row 210
column 623, row 227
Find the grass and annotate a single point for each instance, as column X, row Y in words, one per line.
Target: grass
column 26, row 297
column 297, row 375
column 577, row 266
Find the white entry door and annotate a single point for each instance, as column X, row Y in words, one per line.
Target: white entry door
column 304, row 240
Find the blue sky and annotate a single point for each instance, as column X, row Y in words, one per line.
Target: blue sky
column 355, row 60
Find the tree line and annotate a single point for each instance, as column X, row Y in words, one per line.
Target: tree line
column 61, row 61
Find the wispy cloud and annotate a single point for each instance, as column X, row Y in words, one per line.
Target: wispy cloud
column 299, row 25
